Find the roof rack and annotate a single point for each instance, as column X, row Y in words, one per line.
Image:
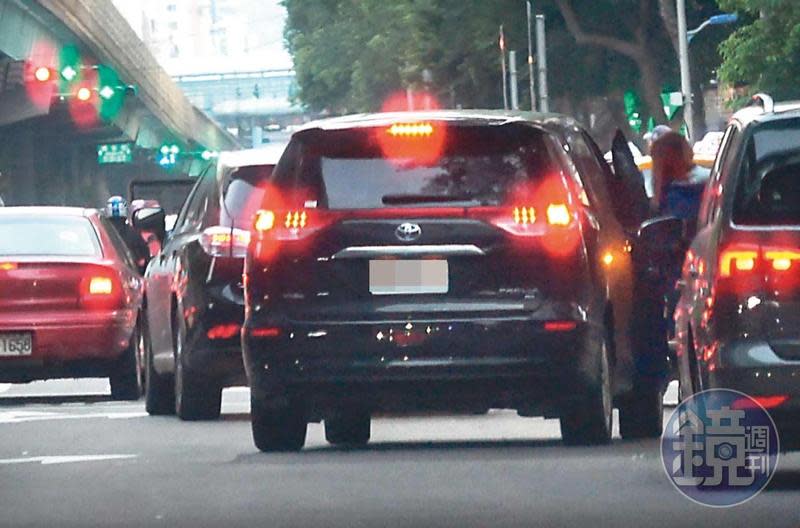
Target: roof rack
column 764, row 101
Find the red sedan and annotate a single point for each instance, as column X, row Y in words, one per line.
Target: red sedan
column 70, row 299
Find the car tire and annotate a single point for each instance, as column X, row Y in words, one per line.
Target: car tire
column 350, row 427
column 279, row 428
column 195, row 397
column 589, row 419
column 159, row 395
column 641, row 414
column 124, row 377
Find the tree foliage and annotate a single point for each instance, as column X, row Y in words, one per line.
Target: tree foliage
column 765, row 54
column 350, row 55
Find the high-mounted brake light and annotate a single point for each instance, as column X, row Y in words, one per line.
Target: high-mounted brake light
column 737, row 259
column 558, row 215
column 410, row 130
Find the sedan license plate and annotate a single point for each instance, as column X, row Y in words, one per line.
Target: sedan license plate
column 12, row 345
column 404, row 277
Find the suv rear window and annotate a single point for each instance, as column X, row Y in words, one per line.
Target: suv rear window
column 477, row 165
column 768, row 192
column 63, row 236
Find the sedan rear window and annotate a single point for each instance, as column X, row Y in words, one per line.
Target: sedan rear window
column 48, row 236
column 476, row 165
column 768, row 192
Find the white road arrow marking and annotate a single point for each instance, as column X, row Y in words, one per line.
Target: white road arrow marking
column 68, row 459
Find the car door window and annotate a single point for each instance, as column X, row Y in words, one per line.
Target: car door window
column 192, row 214
column 590, row 168
column 712, row 197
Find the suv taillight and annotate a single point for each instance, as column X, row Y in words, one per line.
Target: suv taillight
column 220, row 241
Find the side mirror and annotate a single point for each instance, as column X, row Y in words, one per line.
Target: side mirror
column 662, row 232
column 151, row 220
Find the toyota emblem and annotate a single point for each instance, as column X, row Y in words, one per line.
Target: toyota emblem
column 408, row 232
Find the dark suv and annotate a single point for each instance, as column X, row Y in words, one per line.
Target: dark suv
column 441, row 260
column 738, row 319
column 194, row 301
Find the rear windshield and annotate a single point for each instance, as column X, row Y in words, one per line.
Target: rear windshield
column 244, row 193
column 48, row 236
column 768, row 192
column 475, row 165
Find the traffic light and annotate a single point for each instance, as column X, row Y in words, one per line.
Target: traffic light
column 69, row 65
column 111, row 92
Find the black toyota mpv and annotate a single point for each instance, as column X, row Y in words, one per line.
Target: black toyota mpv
column 446, row 260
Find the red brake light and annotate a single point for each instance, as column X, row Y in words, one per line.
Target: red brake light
column 737, row 259
column 265, row 332
column 101, row 286
column 560, row 326
column 767, row 402
column 781, row 259
column 223, row 331
column 411, row 129
column 102, row 291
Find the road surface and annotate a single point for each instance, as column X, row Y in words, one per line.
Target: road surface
column 71, row 457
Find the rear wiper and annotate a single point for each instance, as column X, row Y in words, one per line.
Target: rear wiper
column 403, row 199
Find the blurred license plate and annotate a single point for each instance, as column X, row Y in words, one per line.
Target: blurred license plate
column 16, row 344
column 403, row 277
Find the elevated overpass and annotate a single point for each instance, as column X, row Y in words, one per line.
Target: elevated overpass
column 50, row 152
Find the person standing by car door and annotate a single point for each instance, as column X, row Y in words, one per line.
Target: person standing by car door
column 117, row 213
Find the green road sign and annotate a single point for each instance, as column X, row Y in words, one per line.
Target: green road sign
column 114, row 153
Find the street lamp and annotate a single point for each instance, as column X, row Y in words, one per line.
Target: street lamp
column 716, row 20
column 684, row 37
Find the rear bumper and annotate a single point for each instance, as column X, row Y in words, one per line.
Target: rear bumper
column 511, row 363
column 755, row 368
column 68, row 343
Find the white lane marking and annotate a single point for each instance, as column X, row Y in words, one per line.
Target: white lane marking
column 4, row 387
column 238, row 389
column 69, row 459
column 28, row 416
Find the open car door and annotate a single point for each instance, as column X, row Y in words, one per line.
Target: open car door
column 169, row 194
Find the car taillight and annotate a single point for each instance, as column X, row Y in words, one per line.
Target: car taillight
column 8, row 266
column 737, row 260
column 782, row 259
column 101, row 292
column 223, row 331
column 558, row 214
column 220, row 241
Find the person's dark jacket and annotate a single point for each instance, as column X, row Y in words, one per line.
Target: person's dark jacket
column 133, row 240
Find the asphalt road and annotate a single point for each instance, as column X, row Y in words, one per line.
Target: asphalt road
column 70, row 457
